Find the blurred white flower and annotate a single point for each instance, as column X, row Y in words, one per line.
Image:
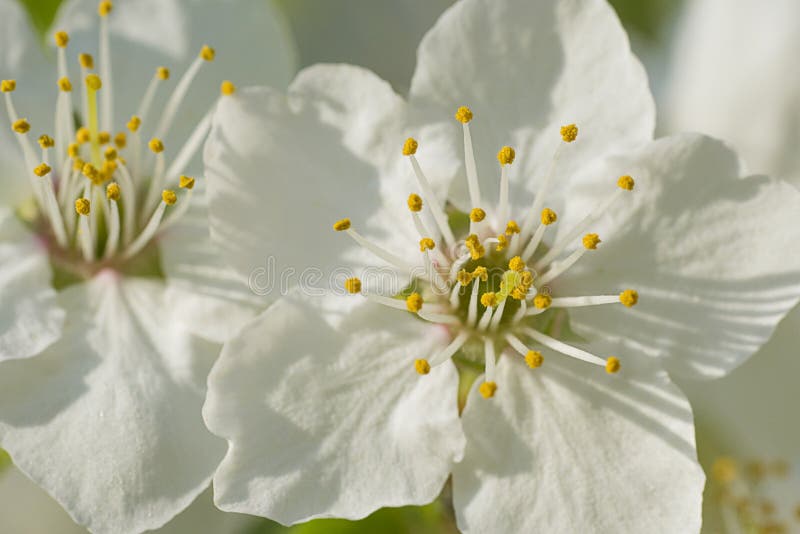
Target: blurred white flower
column 319, row 397
column 114, row 300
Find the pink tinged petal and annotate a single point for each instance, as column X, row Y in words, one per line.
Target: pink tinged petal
column 326, row 416
column 569, row 448
column 707, row 250
column 107, row 420
column 526, row 68
column 30, row 317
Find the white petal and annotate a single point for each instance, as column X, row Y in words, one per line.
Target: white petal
column 21, row 59
column 206, row 295
column 249, row 36
column 30, row 317
column 569, row 448
column 108, row 419
column 525, row 68
column 328, row 417
column 706, row 249
column 719, row 44
column 283, row 168
column 745, row 413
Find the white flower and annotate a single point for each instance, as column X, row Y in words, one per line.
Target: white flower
column 321, row 398
column 114, row 300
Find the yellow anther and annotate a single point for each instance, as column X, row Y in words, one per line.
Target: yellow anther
column 512, row 228
column 414, row 302
column 487, row 389
column 526, row 279
column 410, row 147
column 477, row 215
column 629, row 297
column 207, row 53
column 162, row 73
column 569, row 133
column 506, row 155
column 121, row 140
column 134, row 123
column 21, row 126
column 464, row 115
column 91, row 172
column 83, row 206
column 41, row 170
column 113, row 191
column 626, row 182
column 156, row 145
column 8, row 86
column 516, row 264
column 109, row 168
column 186, row 182
column 426, row 243
column 45, row 141
column 590, row 241
column 341, row 225
column 61, row 38
column 93, row 82
column 502, row 243
column 542, row 301
column 475, row 247
column 612, row 365
column 86, row 61
column 73, row 150
column 422, row 366
column 111, row 153
column 353, row 285
column 489, row 299
column 78, row 164
column 64, row 84
column 548, row 216
column 534, row 359
column 227, row 88
column 103, row 138
column 519, row 293
column 82, row 135
column 481, row 272
column 414, row 202
column 169, row 197
column 104, row 8
column 463, row 277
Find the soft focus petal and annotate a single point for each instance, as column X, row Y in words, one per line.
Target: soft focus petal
column 21, row 59
column 525, row 68
column 30, row 317
column 283, row 168
column 249, row 36
column 26, row 508
column 206, row 295
column 734, row 75
column 328, row 417
column 569, row 448
column 107, row 420
column 707, row 250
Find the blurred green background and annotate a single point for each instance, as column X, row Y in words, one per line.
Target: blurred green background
column 353, row 31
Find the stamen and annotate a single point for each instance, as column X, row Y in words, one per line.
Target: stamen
column 533, row 358
column 157, row 181
column 505, row 157
column 206, row 54
column 548, row 217
column 103, row 9
column 86, row 63
column 112, row 194
column 487, row 389
column 438, row 318
column 93, row 85
column 447, row 352
column 476, row 215
column 464, row 116
column 498, row 315
column 490, row 360
column 612, row 365
column 626, row 298
column 187, row 183
column 415, row 206
column 227, row 88
column 542, row 301
column 167, row 198
column 191, row 146
column 83, row 208
column 385, row 255
column 129, row 192
column 51, row 204
column 590, row 242
column 629, row 297
column 563, row 348
column 161, row 74
column 353, row 285
column 409, row 149
column 414, row 302
column 472, row 311
column 624, row 186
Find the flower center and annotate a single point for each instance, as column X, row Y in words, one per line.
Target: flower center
column 100, row 198
column 491, row 288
